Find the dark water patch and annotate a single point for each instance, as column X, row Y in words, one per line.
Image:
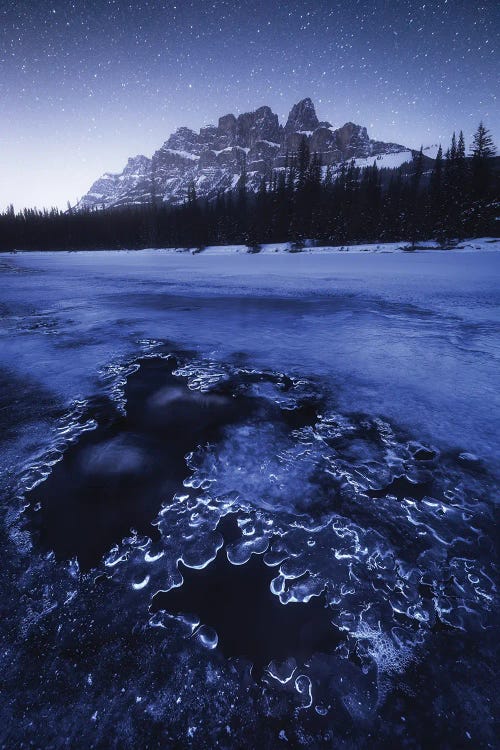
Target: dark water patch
column 250, row 621
column 117, row 476
column 402, row 487
column 228, row 527
column 303, row 415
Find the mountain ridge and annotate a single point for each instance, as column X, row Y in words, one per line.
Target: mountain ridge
column 213, row 159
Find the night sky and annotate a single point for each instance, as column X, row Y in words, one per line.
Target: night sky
column 84, row 84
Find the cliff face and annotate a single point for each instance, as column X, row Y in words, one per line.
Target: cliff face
column 214, row 158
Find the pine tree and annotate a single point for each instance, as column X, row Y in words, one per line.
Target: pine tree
column 372, row 200
column 280, row 209
column 453, row 148
column 482, row 144
column 483, row 149
column 241, row 203
column 435, row 207
column 291, row 177
column 451, row 192
column 191, row 193
column 154, row 186
column 328, row 181
column 418, row 167
column 259, row 223
column 303, row 159
column 461, row 147
column 461, row 176
column 312, row 196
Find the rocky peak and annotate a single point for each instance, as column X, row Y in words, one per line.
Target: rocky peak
column 227, row 125
column 266, row 126
column 261, row 125
column 137, row 165
column 351, row 137
column 184, row 139
column 208, row 134
column 302, row 117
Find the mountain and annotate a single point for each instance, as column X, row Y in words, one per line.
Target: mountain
column 214, row 158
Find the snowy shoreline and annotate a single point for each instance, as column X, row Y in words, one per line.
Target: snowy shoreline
column 488, row 244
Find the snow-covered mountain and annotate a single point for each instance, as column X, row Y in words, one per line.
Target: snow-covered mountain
column 214, row 158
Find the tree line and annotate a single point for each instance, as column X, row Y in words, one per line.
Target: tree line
column 454, row 196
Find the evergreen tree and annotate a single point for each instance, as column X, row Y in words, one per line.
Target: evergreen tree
column 461, row 147
column 453, row 148
column 435, row 196
column 241, row 202
column 280, row 209
column 482, row 144
column 303, row 159
column 259, row 223
column 418, row 169
column 482, row 149
column 451, row 191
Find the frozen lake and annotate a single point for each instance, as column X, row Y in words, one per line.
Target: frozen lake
column 339, row 414
column 411, row 337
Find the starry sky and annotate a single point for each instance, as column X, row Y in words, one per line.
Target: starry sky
column 88, row 83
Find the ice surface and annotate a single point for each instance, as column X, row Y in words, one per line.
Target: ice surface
column 392, row 334
column 311, row 435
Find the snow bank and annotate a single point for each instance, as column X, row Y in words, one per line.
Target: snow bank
column 272, row 248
